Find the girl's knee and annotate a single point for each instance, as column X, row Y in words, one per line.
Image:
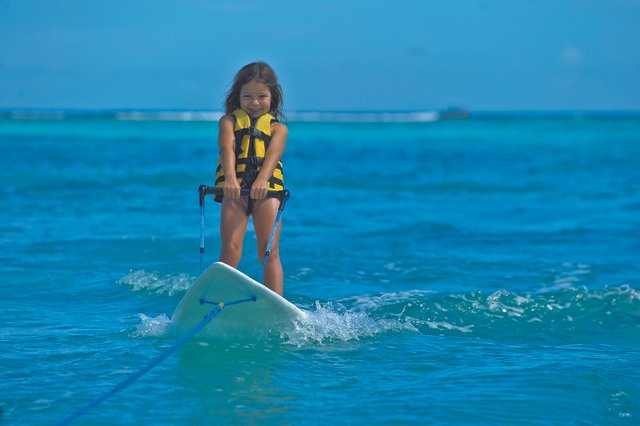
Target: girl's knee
column 231, row 253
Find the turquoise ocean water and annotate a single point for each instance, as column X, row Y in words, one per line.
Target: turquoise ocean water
column 479, row 271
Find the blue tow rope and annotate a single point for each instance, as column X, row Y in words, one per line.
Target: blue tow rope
column 166, row 354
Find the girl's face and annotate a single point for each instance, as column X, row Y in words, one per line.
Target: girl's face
column 255, row 98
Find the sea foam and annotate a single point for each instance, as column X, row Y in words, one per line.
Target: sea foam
column 156, row 282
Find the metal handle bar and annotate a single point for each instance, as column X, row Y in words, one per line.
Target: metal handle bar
column 204, row 190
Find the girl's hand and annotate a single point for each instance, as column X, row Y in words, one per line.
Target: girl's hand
column 259, row 189
column 231, row 189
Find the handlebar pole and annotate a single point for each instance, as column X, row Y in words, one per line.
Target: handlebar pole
column 204, row 190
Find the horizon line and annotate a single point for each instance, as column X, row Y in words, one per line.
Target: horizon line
column 160, row 114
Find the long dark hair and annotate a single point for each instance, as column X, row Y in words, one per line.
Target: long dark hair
column 262, row 73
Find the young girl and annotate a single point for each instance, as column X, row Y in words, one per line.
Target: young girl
column 251, row 142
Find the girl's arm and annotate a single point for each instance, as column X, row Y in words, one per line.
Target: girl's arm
column 226, row 144
column 277, row 145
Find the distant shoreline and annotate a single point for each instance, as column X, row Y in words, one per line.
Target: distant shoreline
column 309, row 116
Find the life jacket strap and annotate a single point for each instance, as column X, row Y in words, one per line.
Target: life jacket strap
column 252, row 131
column 256, row 161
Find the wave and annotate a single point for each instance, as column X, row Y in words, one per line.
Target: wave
column 151, row 326
column 565, row 316
column 151, row 115
column 610, row 315
column 311, row 116
column 333, row 322
column 365, row 117
column 156, row 282
column 142, row 115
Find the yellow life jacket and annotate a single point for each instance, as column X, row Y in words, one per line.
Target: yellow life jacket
column 252, row 137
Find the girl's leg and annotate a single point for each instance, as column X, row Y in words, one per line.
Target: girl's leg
column 264, row 215
column 233, row 225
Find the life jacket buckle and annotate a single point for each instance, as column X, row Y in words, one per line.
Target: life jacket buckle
column 256, row 133
column 256, row 161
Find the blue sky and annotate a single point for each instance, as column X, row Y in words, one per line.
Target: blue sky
column 330, row 55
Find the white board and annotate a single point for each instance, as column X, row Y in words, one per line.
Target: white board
column 269, row 313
